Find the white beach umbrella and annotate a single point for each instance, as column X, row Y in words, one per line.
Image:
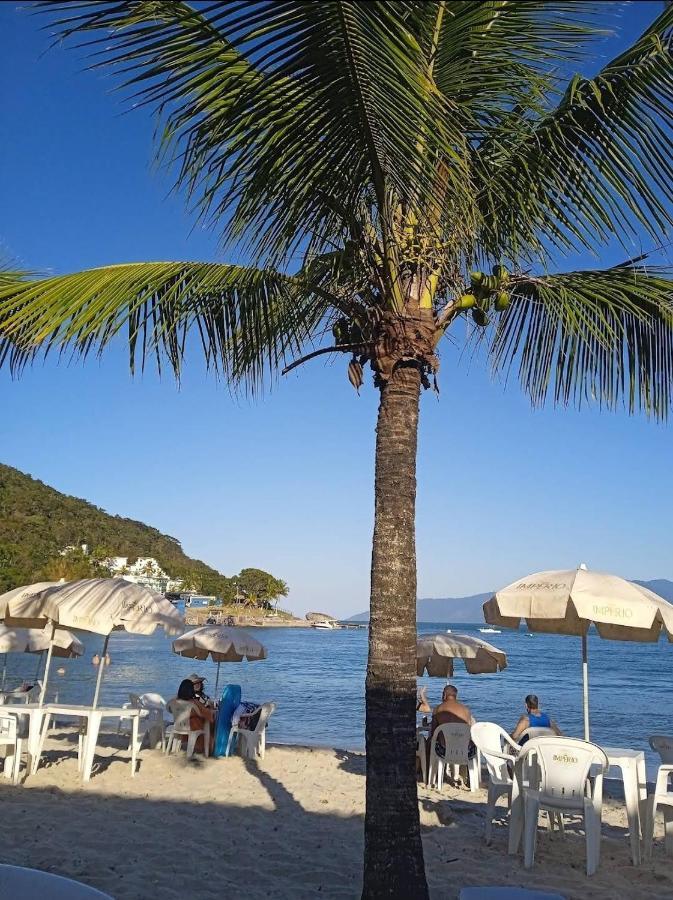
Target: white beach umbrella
column 28, row 590
column 570, row 601
column 36, row 640
column 435, row 654
column 100, row 605
column 221, row 644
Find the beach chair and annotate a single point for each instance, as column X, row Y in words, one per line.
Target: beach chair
column 252, row 743
column 570, row 775
column 422, row 753
column 181, row 711
column 531, row 733
column 492, row 741
column 663, row 794
column 456, row 743
column 10, row 737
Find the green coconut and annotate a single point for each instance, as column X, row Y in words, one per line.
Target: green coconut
column 480, row 317
column 502, row 301
column 467, row 301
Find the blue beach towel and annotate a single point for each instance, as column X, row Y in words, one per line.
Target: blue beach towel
column 231, row 697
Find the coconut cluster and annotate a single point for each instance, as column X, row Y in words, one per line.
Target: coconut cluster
column 486, row 291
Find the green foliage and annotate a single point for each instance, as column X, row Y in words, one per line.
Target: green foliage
column 385, row 148
column 37, row 522
column 260, row 587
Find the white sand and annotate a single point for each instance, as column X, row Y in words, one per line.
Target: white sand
column 288, row 826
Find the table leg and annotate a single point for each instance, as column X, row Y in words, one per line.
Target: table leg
column 41, row 727
column 642, row 792
column 134, row 744
column 93, row 727
column 631, row 796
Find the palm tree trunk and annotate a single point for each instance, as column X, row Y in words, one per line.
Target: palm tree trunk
column 393, row 864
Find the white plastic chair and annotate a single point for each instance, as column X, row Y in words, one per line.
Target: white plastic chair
column 181, row 711
column 422, row 753
column 531, row 733
column 9, row 737
column 570, row 775
column 152, row 701
column 663, row 795
column 252, row 743
column 492, row 742
column 456, row 744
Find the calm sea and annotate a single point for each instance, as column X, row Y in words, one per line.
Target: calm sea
column 316, row 678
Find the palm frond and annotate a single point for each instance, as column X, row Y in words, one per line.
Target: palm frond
column 596, row 168
column 246, row 320
column 490, row 56
column 282, row 112
column 604, row 336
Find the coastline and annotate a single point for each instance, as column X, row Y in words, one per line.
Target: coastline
column 290, row 825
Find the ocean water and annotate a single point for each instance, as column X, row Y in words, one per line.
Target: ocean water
column 316, row 677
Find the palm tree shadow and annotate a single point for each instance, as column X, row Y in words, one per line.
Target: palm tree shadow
column 353, row 763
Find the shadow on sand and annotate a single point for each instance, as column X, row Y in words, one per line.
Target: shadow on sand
column 137, row 847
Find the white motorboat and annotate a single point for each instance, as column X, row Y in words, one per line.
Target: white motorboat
column 490, row 631
column 327, row 625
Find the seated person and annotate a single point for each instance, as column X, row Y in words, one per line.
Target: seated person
column 422, row 705
column 533, row 718
column 199, row 714
column 450, row 710
column 199, row 692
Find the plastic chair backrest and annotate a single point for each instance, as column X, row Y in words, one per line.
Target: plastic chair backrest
column 537, row 732
column 492, row 740
column 266, row 710
column 152, row 701
column 564, row 765
column 456, row 742
column 663, row 745
column 181, row 710
column 7, row 730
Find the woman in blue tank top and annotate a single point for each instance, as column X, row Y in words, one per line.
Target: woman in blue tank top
column 533, row 718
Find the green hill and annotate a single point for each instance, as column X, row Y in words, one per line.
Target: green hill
column 37, row 521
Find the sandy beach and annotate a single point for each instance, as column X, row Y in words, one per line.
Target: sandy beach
column 287, row 826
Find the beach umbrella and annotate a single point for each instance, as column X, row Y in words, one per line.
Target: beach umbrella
column 435, row 654
column 570, row 601
column 19, row 593
column 221, row 644
column 99, row 605
column 36, row 640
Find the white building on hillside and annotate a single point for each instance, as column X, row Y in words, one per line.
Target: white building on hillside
column 145, row 570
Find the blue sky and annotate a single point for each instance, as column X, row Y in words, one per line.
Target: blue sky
column 286, row 482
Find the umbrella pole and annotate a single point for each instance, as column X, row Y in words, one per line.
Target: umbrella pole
column 585, row 686
column 217, row 678
column 39, row 663
column 43, row 692
column 4, row 672
column 101, row 666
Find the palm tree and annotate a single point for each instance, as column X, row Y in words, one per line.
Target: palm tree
column 393, row 170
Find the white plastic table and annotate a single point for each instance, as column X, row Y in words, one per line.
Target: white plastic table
column 38, row 722
column 631, row 764
column 16, row 882
column 94, row 717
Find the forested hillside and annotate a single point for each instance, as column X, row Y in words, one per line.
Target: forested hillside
column 37, row 521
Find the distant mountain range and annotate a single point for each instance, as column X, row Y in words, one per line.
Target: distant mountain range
column 469, row 609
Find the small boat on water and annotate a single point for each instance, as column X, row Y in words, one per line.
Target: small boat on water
column 448, row 631
column 490, row 631
column 327, row 625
